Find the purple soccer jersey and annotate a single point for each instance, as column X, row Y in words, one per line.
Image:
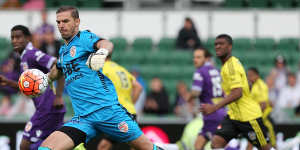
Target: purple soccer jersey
column 46, row 118
column 207, row 81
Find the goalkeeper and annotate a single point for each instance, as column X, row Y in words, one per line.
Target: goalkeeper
column 93, row 95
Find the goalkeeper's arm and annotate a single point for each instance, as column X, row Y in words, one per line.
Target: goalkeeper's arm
column 106, row 44
column 96, row 60
column 54, row 73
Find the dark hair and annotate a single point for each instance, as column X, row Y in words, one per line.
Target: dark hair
column 227, row 37
column 291, row 74
column 74, row 11
column 207, row 54
column 255, row 70
column 22, row 28
column 188, row 19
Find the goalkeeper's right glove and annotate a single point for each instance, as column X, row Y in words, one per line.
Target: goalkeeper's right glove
column 97, row 60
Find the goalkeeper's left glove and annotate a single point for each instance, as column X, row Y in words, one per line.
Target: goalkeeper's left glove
column 96, row 60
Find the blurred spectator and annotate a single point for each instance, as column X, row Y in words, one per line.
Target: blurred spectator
column 188, row 37
column 11, row 4
column 273, row 92
column 50, row 44
column 34, row 5
column 157, row 101
column 289, row 96
column 279, row 72
column 139, row 105
column 38, row 36
column 10, row 69
column 182, row 107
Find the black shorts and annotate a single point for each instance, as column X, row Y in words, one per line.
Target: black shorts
column 254, row 130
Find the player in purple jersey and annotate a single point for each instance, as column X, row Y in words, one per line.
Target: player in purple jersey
column 50, row 108
column 207, row 87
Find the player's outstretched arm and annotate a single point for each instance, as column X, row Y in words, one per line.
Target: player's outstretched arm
column 96, row 60
column 105, row 44
column 54, row 73
column 60, row 86
column 235, row 94
column 136, row 90
column 58, row 102
column 4, row 81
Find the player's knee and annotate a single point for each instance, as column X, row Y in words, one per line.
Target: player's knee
column 104, row 145
column 216, row 146
column 218, row 142
column 44, row 148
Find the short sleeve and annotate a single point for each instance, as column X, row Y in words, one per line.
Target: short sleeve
column 235, row 76
column 43, row 59
column 254, row 93
column 265, row 94
column 198, row 82
column 90, row 39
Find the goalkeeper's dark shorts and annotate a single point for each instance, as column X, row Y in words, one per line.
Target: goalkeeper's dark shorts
column 254, row 130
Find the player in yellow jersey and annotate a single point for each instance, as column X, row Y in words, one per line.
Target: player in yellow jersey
column 260, row 93
column 128, row 91
column 244, row 114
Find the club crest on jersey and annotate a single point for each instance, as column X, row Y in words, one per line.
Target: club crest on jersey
column 73, row 51
column 123, row 127
column 28, row 126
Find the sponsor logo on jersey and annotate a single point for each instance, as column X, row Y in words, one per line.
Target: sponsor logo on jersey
column 123, row 127
column 73, row 51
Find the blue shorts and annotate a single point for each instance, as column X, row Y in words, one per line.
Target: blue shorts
column 114, row 121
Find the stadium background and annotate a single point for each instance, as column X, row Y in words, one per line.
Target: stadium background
column 144, row 33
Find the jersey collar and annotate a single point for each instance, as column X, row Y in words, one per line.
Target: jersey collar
column 207, row 63
column 76, row 35
column 29, row 46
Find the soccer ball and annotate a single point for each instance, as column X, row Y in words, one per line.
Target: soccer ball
column 33, row 83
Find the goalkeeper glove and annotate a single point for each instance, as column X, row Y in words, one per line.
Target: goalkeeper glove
column 97, row 60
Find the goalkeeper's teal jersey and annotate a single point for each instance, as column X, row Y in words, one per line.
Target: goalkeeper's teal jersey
column 89, row 90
